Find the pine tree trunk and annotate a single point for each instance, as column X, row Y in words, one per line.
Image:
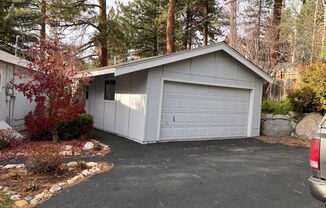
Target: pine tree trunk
column 275, row 32
column 233, row 23
column 187, row 28
column 169, row 27
column 295, row 30
column 103, row 48
column 324, row 31
column 257, row 35
column 314, row 33
column 205, row 29
column 155, row 42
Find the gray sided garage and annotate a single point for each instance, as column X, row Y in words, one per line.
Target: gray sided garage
column 207, row 93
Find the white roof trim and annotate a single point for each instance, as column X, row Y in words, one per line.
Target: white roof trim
column 102, row 72
column 179, row 56
column 9, row 58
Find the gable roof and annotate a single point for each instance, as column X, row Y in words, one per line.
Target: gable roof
column 9, row 58
column 147, row 63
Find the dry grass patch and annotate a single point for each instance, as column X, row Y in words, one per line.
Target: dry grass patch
column 289, row 141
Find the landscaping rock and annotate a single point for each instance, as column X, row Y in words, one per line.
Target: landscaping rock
column 20, row 166
column 86, row 172
column 276, row 127
column 77, row 153
column 67, row 147
column 308, row 125
column 9, row 193
column 19, row 154
column 88, row 146
column 55, row 188
column 21, row 203
column 28, row 198
column 5, row 189
column 72, row 164
column 292, row 114
column 268, row 116
column 105, row 146
column 16, row 135
column 66, row 153
column 9, row 166
column 73, row 180
column 284, row 117
column 15, row 197
column 91, row 164
column 39, row 197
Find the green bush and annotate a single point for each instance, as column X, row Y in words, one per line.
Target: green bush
column 304, row 100
column 276, row 107
column 80, row 127
column 314, row 77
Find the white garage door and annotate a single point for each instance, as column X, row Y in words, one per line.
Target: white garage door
column 192, row 111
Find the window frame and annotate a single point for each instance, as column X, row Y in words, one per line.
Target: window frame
column 109, row 82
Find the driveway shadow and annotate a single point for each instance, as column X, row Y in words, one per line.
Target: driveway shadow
column 226, row 173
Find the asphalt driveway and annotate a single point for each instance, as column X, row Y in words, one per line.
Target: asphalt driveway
column 229, row 173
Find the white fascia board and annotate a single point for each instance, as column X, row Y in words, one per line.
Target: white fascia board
column 247, row 63
column 9, row 58
column 102, row 72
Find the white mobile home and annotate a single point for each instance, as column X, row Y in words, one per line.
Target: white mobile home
column 13, row 105
column 211, row 92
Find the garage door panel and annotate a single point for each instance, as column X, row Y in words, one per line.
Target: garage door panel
column 191, row 131
column 166, row 132
column 179, row 117
column 168, row 103
column 191, row 117
column 197, row 111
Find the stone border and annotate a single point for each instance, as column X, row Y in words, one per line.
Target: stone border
column 94, row 168
column 68, row 152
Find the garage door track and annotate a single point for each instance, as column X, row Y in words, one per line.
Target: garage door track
column 229, row 173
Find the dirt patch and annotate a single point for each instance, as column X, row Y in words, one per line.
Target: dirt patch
column 25, row 148
column 289, row 141
column 28, row 185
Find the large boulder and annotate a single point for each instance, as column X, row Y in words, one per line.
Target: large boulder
column 308, row 125
column 276, row 127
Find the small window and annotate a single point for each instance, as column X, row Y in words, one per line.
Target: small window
column 109, row 90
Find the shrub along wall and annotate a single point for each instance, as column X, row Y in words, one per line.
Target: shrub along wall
column 80, row 127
